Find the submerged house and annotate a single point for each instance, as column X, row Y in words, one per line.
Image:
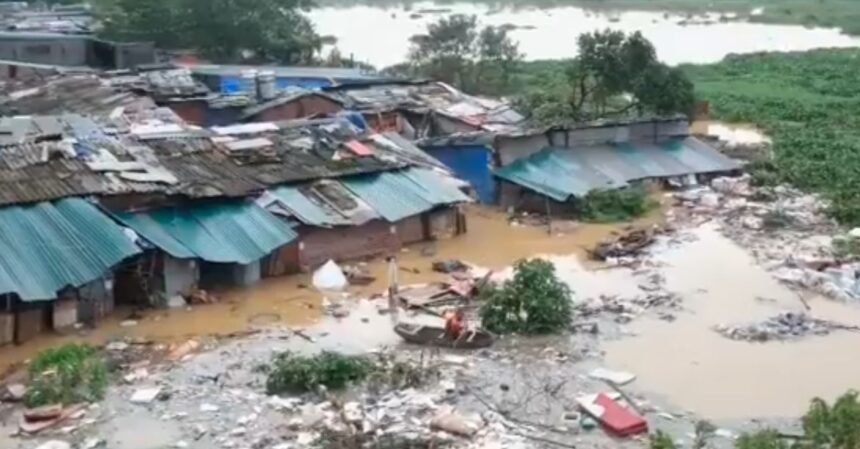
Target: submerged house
column 556, row 166
column 375, row 194
column 141, row 207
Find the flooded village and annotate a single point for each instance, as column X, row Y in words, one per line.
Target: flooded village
column 273, row 257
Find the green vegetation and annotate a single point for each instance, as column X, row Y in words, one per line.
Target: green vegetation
column 454, row 51
column 614, row 75
column 809, row 104
column 224, row 30
column 843, row 14
column 290, row 373
column 535, row 301
column 68, row 374
column 824, row 427
column 606, row 206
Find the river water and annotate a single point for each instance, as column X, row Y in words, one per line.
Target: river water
column 380, row 36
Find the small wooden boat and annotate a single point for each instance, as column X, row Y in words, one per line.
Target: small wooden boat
column 435, row 336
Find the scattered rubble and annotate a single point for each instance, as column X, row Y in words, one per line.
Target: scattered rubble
column 630, row 244
column 786, row 230
column 784, row 326
column 12, row 392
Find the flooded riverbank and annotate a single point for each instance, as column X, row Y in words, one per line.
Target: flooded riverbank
column 550, row 33
column 491, row 242
column 695, row 368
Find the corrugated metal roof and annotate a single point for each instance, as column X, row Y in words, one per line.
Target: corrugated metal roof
column 48, row 246
column 400, row 194
column 563, row 172
column 236, row 232
column 305, row 210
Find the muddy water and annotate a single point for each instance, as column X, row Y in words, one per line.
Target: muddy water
column 490, row 242
column 697, row 369
column 550, row 33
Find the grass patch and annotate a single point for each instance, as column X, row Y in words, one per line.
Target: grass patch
column 605, row 206
column 291, row 373
column 535, row 301
column 809, row 104
column 68, row 374
column 828, row 426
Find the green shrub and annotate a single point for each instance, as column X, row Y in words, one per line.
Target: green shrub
column 661, row 440
column 837, row 426
column 68, row 374
column 846, row 247
column 763, row 439
column 603, row 206
column 290, row 373
column 535, row 301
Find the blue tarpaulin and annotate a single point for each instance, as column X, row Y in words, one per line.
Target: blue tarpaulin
column 470, row 163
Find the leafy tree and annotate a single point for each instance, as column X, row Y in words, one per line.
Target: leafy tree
column 445, row 52
column 498, row 58
column 614, row 75
column 454, row 51
column 824, row 427
column 224, row 30
column 535, row 301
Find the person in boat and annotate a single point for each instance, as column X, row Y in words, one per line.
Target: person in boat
column 455, row 322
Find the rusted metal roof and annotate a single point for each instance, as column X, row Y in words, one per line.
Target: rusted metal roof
column 78, row 157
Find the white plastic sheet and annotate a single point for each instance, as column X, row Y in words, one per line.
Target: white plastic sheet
column 330, row 277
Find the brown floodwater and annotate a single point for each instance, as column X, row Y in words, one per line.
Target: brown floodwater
column 490, row 242
column 699, row 370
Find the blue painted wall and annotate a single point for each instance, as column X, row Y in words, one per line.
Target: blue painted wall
column 470, row 163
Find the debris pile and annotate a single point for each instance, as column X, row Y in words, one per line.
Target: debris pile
column 625, row 246
column 785, row 326
column 786, row 230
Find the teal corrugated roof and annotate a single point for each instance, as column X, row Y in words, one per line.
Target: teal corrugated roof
column 433, row 187
column 563, row 172
column 558, row 173
column 48, row 246
column 238, row 232
column 404, row 193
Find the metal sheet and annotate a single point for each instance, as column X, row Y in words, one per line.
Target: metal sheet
column 400, row 194
column 306, row 210
column 48, row 246
column 563, row 172
column 234, row 232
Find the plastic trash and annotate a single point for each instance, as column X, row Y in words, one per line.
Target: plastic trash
column 330, row 277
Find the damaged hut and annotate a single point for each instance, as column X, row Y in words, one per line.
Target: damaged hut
column 141, row 207
column 555, row 167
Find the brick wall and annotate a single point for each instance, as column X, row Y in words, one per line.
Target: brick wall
column 345, row 243
column 7, row 328
column 443, row 223
column 411, row 230
column 282, row 261
column 29, row 323
column 65, row 313
column 300, row 108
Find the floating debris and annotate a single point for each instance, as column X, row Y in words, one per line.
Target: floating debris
column 785, row 326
